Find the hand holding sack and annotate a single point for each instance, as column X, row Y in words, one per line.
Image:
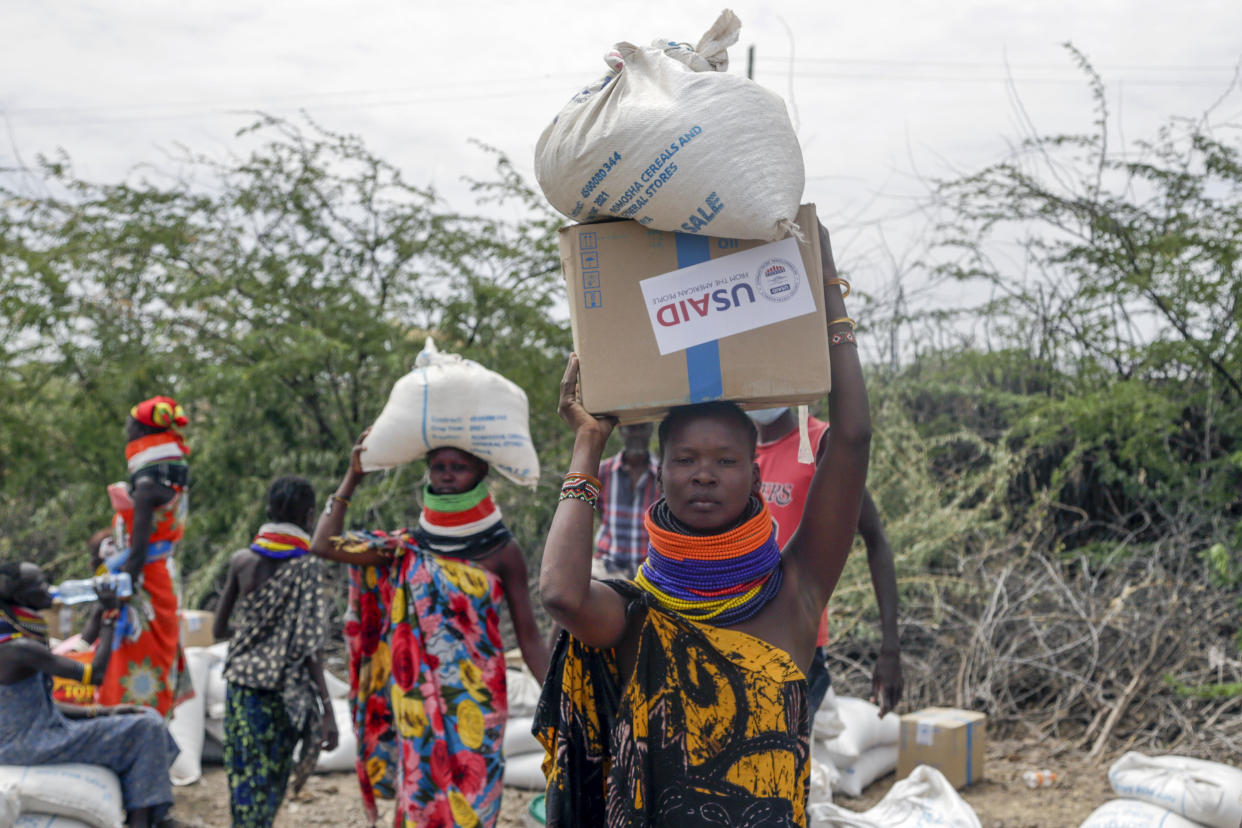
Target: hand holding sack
column 669, row 139
column 448, row 401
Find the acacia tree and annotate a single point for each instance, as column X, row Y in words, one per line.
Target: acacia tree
column 1114, row 271
column 279, row 294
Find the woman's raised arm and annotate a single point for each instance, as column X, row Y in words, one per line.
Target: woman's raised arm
column 823, row 539
column 592, row 612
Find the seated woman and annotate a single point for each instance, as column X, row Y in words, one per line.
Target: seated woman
column 679, row 698
column 427, row 662
column 274, row 611
column 132, row 741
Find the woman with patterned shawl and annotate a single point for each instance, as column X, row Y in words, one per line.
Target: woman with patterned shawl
column 679, row 698
column 274, row 613
column 148, row 666
column 427, row 666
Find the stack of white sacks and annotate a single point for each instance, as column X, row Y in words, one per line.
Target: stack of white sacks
column 523, row 754
column 851, row 746
column 1170, row 792
column 198, row 724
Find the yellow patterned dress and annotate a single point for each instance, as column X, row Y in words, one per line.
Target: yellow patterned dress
column 711, row 730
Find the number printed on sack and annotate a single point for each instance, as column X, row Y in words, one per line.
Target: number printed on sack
column 601, row 174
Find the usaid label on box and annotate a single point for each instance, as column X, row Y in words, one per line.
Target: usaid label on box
column 726, row 296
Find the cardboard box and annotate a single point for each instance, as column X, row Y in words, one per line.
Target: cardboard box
column 196, row 628
column 65, row 621
column 950, row 740
column 664, row 319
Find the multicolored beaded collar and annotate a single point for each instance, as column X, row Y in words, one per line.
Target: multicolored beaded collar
column 281, row 541
column 465, row 525
column 19, row 622
column 720, row 579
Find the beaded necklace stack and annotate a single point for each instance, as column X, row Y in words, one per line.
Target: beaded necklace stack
column 19, row 622
column 720, row 579
column 280, row 541
column 466, row 525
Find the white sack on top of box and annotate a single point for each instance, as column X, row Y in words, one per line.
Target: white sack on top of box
column 670, row 139
column 449, row 401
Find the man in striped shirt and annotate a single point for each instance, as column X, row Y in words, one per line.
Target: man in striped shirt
column 629, row 488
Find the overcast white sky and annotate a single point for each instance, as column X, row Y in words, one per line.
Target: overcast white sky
column 882, row 91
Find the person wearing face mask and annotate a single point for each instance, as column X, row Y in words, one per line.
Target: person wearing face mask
column 427, row 662
column 786, row 483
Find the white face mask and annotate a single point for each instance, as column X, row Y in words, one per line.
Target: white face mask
column 766, row 416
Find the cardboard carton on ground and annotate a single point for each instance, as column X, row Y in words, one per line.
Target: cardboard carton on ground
column 663, row 319
column 63, row 621
column 952, row 741
column 196, row 628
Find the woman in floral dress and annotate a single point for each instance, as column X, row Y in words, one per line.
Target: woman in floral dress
column 427, row 667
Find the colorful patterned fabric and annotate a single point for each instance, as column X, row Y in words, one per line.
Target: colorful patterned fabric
column 276, row 628
column 622, row 537
column 467, row 525
column 164, row 448
column 427, row 684
column 147, row 664
column 281, row 541
column 711, row 729
column 160, row 412
column 259, row 739
column 722, row 578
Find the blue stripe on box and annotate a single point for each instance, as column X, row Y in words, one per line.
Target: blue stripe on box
column 702, row 361
column 970, row 753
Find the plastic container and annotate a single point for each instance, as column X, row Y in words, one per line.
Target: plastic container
column 83, row 590
column 537, row 814
column 1040, row 778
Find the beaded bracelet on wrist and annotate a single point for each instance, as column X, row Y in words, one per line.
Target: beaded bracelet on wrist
column 842, row 337
column 578, row 486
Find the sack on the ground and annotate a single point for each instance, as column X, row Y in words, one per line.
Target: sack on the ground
column 1205, row 792
column 875, row 763
column 827, row 723
column 824, row 778
column 448, row 401
column 863, row 730
column 1131, row 813
column 337, row 688
column 46, row 821
column 525, row 772
column 186, row 725
column 88, row 793
column 523, row 690
column 921, row 800
column 667, row 137
column 10, row 805
column 346, row 753
column 518, row 738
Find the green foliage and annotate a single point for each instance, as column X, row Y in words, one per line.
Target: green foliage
column 278, row 295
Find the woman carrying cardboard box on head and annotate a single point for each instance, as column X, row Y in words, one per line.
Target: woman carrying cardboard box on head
column 679, row 699
column 427, row 666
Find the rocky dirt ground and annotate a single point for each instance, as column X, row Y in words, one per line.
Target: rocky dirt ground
column 1001, row 800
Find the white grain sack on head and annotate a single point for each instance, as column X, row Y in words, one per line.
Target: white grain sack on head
column 448, row 401
column 671, row 140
